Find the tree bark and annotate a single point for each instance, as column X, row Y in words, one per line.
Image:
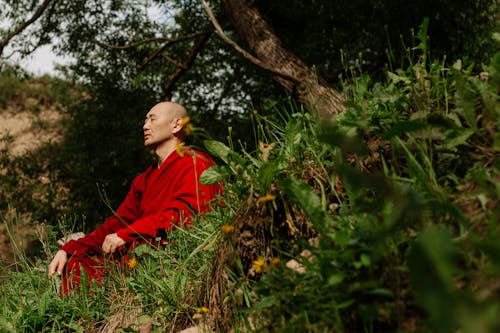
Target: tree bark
column 299, row 79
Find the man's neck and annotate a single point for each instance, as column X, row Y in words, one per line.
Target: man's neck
column 165, row 149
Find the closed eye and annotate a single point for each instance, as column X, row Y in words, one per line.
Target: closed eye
column 150, row 118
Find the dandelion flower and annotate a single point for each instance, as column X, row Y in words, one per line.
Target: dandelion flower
column 259, row 265
column 202, row 309
column 266, row 198
column 186, row 126
column 132, row 263
column 226, row 228
column 185, row 121
column 275, row 262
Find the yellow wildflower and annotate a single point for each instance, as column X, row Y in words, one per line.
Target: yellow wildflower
column 230, row 130
column 185, row 121
column 275, row 262
column 186, row 126
column 259, row 265
column 202, row 309
column 132, row 263
column 266, row 198
column 180, row 148
column 226, row 228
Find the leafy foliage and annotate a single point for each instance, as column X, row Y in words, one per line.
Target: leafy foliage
column 392, row 240
column 317, row 30
column 92, row 158
column 384, row 218
column 107, row 39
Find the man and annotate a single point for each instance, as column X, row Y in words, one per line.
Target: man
column 165, row 195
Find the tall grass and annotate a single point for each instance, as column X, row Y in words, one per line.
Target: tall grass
column 382, row 219
column 155, row 288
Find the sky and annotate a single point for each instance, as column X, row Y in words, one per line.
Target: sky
column 41, row 62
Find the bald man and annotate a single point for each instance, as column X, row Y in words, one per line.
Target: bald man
column 167, row 194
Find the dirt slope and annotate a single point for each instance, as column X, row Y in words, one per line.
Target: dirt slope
column 25, row 125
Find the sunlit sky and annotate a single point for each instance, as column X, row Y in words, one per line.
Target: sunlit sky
column 43, row 60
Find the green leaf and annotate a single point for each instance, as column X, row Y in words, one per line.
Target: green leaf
column 143, row 249
column 211, row 176
column 365, row 260
column 335, row 279
column 303, row 195
column 381, row 292
column 342, row 238
column 403, row 128
column 267, row 172
column 218, row 149
column 398, row 78
column 456, row 137
column 432, row 272
column 345, row 304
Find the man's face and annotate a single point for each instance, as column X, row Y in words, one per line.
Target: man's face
column 158, row 127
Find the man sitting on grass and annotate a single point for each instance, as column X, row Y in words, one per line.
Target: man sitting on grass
column 165, row 195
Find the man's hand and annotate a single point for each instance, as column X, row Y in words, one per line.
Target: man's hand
column 57, row 264
column 111, row 243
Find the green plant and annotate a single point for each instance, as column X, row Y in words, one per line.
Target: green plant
column 371, row 208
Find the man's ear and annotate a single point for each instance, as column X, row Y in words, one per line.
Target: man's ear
column 178, row 125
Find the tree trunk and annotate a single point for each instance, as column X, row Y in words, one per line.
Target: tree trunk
column 299, row 79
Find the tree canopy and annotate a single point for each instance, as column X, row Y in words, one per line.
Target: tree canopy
column 222, row 59
column 170, row 48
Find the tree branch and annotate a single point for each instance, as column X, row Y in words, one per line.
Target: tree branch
column 182, row 68
column 39, row 12
column 238, row 48
column 150, row 40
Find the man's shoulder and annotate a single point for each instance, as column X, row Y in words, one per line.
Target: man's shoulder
column 197, row 154
column 140, row 178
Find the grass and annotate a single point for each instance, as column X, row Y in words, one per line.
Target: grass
column 160, row 288
column 382, row 219
column 16, row 87
column 398, row 244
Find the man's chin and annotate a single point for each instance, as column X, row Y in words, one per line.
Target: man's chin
column 150, row 145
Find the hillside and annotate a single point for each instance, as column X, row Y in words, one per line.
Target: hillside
column 30, row 118
column 381, row 219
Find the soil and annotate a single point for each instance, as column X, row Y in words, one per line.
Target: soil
column 28, row 130
column 24, row 127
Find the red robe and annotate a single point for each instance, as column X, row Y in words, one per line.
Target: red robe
column 158, row 199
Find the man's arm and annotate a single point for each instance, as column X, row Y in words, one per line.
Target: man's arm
column 111, row 243
column 57, row 264
column 190, row 197
column 126, row 213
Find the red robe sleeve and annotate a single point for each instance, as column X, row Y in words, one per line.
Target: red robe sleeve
column 127, row 212
column 187, row 198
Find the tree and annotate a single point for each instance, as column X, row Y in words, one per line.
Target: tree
column 19, row 18
column 296, row 43
column 222, row 58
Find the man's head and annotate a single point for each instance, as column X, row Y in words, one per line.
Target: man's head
column 163, row 124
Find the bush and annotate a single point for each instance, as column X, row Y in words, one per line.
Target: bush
column 382, row 220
